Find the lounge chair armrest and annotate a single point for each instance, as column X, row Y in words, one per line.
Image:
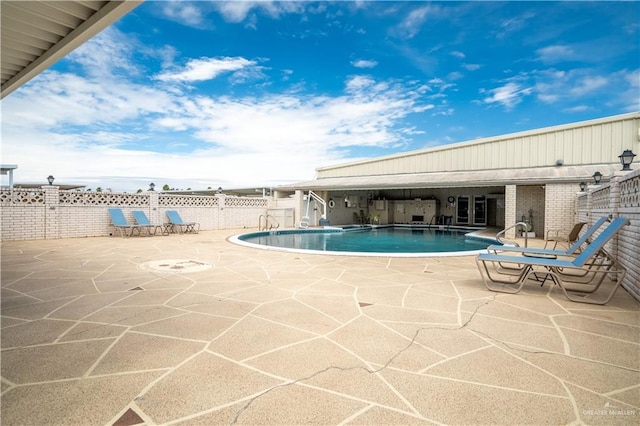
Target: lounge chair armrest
column 553, row 233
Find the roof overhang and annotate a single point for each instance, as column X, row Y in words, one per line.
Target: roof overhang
column 36, row 34
column 62, row 187
column 253, row 191
column 7, row 168
column 475, row 178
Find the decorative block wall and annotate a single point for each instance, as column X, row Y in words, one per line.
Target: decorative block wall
column 629, row 240
column 619, row 198
column 48, row 213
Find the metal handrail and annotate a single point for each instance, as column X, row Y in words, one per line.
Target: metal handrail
column 524, row 226
column 266, row 222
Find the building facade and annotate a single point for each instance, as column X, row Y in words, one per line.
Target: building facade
column 532, row 177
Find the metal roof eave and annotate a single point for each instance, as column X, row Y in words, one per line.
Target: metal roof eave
column 106, row 15
column 479, row 178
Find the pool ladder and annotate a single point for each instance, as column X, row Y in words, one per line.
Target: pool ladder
column 524, row 226
column 270, row 222
column 445, row 223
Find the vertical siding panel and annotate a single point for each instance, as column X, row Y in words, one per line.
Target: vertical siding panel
column 456, row 161
column 548, row 144
column 503, row 155
column 567, row 146
column 535, row 155
column 595, row 142
column 601, row 146
column 573, row 139
column 510, row 152
column 583, row 141
column 523, row 152
column 493, row 156
column 518, row 152
column 629, row 135
column 467, row 158
column 615, row 146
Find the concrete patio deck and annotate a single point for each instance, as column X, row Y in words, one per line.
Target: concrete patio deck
column 190, row 329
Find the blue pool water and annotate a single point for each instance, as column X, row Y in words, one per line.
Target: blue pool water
column 385, row 240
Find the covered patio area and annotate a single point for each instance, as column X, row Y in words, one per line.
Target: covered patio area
column 191, row 329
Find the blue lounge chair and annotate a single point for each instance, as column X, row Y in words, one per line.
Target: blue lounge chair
column 594, row 259
column 573, row 250
column 118, row 220
column 143, row 221
column 176, row 222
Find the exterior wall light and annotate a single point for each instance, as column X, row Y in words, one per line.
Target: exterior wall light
column 583, row 186
column 597, row 177
column 626, row 158
column 50, row 179
column 219, row 191
column 152, row 186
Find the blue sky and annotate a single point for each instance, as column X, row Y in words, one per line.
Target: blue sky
column 240, row 93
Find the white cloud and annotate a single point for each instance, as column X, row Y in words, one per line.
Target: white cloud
column 56, row 99
column 513, row 24
column 109, row 53
column 126, row 135
column 630, row 87
column 234, row 11
column 508, row 95
column 237, row 11
column 632, row 78
column 410, row 26
column 557, row 53
column 547, row 98
column 584, row 86
column 205, row 69
column 363, row 63
column 588, row 84
column 578, row 108
column 183, row 12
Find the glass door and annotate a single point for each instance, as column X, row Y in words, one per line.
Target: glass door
column 479, row 210
column 462, row 216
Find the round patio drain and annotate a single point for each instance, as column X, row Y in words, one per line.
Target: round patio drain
column 174, row 266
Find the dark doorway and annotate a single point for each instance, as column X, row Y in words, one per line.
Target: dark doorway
column 479, row 210
column 492, row 212
column 462, row 217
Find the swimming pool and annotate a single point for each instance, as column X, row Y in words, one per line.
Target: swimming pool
column 391, row 241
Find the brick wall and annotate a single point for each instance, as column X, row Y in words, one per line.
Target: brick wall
column 531, row 197
column 560, row 207
column 26, row 217
column 510, row 210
